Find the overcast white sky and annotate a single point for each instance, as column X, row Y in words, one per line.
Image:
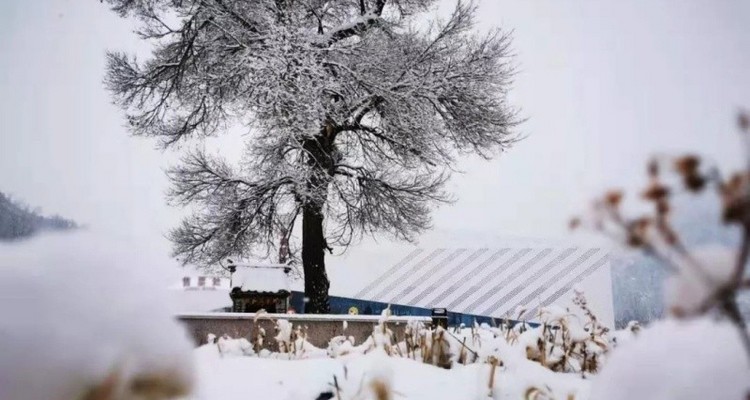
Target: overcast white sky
column 602, row 83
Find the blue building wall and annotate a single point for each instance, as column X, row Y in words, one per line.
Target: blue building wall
column 341, row 305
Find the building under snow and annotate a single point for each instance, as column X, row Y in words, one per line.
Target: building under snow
column 472, row 283
column 258, row 287
column 199, row 292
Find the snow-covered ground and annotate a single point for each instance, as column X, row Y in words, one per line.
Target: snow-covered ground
column 225, row 372
column 357, row 377
column 677, row 359
column 78, row 323
column 697, row 359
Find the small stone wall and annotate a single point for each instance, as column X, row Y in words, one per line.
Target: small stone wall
column 320, row 328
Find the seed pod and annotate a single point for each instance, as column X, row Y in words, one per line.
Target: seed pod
column 667, row 233
column 687, row 165
column 655, row 191
column 613, row 198
column 662, row 207
column 574, row 223
column 637, row 231
column 743, row 121
column 735, row 209
column 694, row 182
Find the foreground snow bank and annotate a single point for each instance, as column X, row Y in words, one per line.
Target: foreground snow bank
column 479, row 362
column 222, row 376
column 80, row 314
column 672, row 359
column 675, row 359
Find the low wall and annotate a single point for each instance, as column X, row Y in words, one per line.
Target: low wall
column 320, row 328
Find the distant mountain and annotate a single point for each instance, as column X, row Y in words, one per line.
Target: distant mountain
column 18, row 221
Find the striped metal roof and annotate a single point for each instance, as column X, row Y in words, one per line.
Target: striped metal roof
column 484, row 281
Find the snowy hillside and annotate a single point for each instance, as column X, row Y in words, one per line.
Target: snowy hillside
column 18, row 221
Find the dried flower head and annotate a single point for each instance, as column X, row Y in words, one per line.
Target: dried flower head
column 735, row 184
column 687, row 164
column 642, row 223
column 735, row 208
column 695, row 182
column 743, row 121
column 381, row 389
column 613, row 198
column 634, row 240
column 662, row 207
column 574, row 223
column 655, row 191
column 105, row 390
column 667, row 233
column 637, row 231
column 166, row 385
column 653, row 168
column 533, row 393
column 735, row 203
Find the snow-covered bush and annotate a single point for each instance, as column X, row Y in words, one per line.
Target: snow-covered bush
column 232, row 347
column 561, row 343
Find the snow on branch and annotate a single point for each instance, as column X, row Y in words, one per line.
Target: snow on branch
column 236, row 212
column 393, row 200
column 366, row 131
column 359, row 25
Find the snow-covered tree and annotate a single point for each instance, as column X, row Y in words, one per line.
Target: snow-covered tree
column 18, row 221
column 358, row 111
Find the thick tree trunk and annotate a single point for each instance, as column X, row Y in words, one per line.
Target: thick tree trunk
column 314, row 245
column 313, row 260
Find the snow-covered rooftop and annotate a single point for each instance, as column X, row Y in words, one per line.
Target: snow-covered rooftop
column 261, row 277
column 488, row 280
column 483, row 281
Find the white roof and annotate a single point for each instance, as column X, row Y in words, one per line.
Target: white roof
column 261, row 278
column 475, row 273
column 469, row 274
column 483, row 281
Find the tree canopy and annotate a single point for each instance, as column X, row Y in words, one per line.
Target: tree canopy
column 357, row 112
